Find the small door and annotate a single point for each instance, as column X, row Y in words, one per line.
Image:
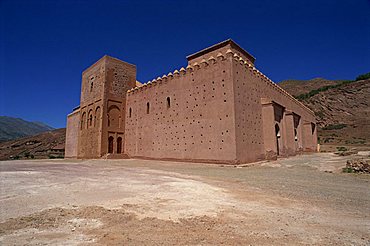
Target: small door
column 110, row 145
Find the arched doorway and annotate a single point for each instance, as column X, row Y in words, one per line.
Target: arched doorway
column 278, row 137
column 110, row 145
column 119, row 145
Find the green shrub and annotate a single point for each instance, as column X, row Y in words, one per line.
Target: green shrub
column 324, row 88
column 328, row 140
column 334, row 127
column 355, row 141
column 363, row 76
column 342, row 148
column 347, row 170
column 320, row 114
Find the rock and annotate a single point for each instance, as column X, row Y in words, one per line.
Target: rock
column 359, row 165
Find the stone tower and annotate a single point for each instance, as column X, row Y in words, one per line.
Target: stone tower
column 102, row 107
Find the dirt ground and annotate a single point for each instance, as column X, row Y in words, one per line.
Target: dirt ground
column 303, row 200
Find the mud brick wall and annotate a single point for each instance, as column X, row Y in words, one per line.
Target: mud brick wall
column 187, row 115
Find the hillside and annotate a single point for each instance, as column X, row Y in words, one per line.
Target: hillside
column 12, row 128
column 298, row 87
column 44, row 145
column 342, row 108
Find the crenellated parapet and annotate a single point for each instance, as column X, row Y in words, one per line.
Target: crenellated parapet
column 178, row 73
column 210, row 61
column 220, row 57
column 189, row 68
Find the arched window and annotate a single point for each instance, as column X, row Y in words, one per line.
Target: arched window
column 313, row 126
column 119, row 145
column 277, row 131
column 278, row 138
column 130, row 112
column 91, row 86
column 97, row 117
column 147, row 107
column 89, row 118
column 110, row 145
column 295, row 134
column 168, row 102
column 83, row 121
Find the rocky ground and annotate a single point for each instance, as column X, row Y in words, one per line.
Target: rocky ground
column 303, row 200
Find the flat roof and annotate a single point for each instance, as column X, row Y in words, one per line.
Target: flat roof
column 220, row 45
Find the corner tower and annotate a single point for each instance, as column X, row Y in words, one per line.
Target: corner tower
column 102, row 107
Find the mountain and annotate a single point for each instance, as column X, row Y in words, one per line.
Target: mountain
column 342, row 108
column 44, row 145
column 12, row 128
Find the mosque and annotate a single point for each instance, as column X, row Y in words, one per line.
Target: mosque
column 219, row 109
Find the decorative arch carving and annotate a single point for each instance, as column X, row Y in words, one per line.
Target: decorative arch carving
column 114, row 116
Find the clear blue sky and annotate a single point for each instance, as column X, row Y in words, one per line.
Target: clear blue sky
column 45, row 45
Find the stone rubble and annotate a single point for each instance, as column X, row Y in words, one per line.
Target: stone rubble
column 359, row 165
